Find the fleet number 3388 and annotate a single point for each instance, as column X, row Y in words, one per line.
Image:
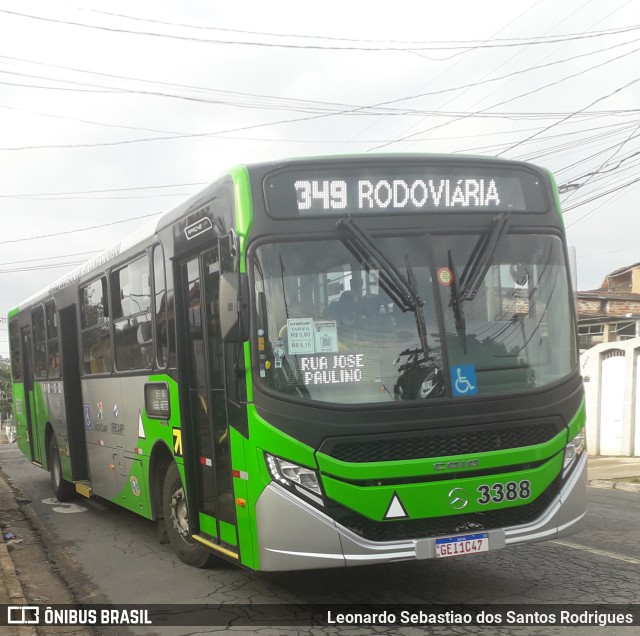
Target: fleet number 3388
column 511, row 491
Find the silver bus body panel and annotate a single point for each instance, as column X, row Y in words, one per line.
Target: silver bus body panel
column 52, row 395
column 566, row 514
column 293, row 535
column 112, row 414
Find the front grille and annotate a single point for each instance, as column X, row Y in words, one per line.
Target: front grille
column 439, row 444
column 437, row 526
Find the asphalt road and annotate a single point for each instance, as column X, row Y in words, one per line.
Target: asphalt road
column 106, row 554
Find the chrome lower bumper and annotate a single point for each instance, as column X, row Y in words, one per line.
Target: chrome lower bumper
column 292, row 535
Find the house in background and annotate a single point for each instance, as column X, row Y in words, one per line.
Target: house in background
column 610, row 313
column 609, row 332
column 612, row 397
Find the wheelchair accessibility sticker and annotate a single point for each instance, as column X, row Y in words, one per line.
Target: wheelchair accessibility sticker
column 463, row 380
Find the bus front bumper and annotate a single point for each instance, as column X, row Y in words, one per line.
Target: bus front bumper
column 293, row 535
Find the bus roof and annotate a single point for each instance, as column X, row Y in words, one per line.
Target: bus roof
column 192, row 202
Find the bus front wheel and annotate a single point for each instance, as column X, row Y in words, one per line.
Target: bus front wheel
column 63, row 490
column 176, row 519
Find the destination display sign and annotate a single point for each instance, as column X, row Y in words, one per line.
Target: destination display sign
column 357, row 190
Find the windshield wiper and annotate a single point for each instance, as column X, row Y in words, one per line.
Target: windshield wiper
column 392, row 280
column 422, row 328
column 474, row 272
column 456, row 304
column 482, row 257
column 402, row 290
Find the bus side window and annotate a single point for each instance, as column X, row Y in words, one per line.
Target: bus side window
column 39, row 343
column 163, row 309
column 53, row 354
column 131, row 298
column 94, row 321
column 16, row 351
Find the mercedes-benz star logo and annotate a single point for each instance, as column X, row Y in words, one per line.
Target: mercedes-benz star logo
column 458, row 498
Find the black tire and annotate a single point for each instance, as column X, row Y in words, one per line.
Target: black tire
column 63, row 490
column 176, row 519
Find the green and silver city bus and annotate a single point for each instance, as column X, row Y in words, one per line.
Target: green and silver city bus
column 319, row 363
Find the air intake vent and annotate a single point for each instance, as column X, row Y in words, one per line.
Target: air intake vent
column 385, row 448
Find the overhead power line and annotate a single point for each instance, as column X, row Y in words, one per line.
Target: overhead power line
column 35, row 268
column 40, row 197
column 86, row 121
column 484, row 111
column 49, row 258
column 578, row 204
column 351, row 47
column 320, row 37
column 583, row 141
column 574, row 139
column 233, row 98
column 219, row 133
column 103, row 191
column 577, row 112
column 83, row 229
column 342, row 109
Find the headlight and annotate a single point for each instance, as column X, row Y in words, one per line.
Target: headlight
column 575, row 448
column 300, row 479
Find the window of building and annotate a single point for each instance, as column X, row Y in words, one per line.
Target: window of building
column 591, row 334
column 624, row 330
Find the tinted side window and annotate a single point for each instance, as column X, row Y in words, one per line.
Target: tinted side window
column 53, row 353
column 16, row 351
column 161, row 307
column 39, row 343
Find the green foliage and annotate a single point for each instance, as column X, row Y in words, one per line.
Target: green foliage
column 5, row 387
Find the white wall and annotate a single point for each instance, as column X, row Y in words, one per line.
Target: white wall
column 612, row 388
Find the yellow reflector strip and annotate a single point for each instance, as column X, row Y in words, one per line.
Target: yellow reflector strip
column 83, row 489
column 214, row 546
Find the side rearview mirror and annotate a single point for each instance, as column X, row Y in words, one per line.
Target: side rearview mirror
column 234, row 306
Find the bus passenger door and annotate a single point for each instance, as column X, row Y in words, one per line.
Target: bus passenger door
column 75, row 424
column 29, row 395
column 207, row 404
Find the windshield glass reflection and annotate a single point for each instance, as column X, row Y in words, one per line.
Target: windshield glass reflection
column 328, row 330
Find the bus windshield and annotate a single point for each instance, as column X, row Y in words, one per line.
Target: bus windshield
column 329, row 328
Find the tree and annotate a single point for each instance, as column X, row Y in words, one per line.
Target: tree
column 6, row 398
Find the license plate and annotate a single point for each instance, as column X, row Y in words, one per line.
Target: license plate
column 465, row 544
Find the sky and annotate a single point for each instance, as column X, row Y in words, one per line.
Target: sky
column 112, row 113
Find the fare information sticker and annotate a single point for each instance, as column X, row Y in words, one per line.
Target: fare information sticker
column 326, row 336
column 300, row 336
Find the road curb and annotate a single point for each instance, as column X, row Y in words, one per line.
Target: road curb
column 615, row 485
column 10, row 577
column 11, row 583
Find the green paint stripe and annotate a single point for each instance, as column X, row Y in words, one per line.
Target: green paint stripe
column 208, row 525
column 243, row 208
column 432, row 499
column 578, row 421
column 228, row 533
column 266, row 437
